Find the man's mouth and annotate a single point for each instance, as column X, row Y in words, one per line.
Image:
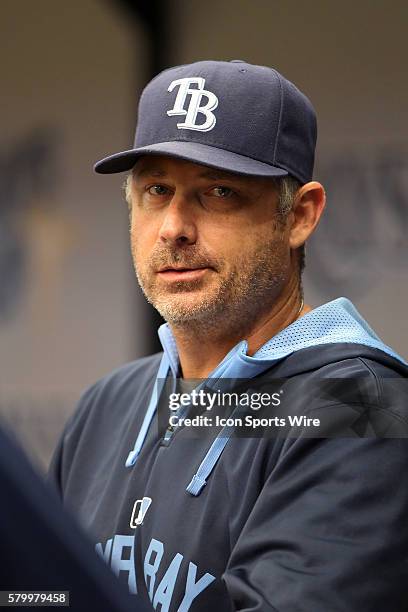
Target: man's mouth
column 179, row 273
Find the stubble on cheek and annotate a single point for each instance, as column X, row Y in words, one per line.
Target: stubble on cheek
column 239, row 289
column 177, row 302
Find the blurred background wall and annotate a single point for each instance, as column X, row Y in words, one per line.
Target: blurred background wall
column 70, row 309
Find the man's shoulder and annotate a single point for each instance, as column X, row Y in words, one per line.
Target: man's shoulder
column 142, row 368
column 343, row 360
column 117, row 392
column 127, row 377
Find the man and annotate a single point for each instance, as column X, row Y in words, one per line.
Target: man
column 221, row 203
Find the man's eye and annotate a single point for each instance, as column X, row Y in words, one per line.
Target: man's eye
column 157, row 190
column 222, row 192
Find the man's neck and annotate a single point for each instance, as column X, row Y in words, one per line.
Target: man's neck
column 200, row 353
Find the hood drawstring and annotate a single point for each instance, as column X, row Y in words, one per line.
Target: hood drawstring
column 157, row 389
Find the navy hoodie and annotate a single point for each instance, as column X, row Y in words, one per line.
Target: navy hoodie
column 221, row 522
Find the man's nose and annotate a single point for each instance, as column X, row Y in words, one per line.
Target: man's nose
column 179, row 225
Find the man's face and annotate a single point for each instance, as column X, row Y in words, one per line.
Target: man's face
column 206, row 244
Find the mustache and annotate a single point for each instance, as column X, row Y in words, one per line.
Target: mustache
column 188, row 257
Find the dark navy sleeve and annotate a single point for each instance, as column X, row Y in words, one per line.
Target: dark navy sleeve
column 42, row 547
column 329, row 531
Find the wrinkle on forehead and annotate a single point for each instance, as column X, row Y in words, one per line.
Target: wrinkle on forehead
column 155, row 166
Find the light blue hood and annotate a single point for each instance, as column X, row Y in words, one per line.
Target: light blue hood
column 337, row 321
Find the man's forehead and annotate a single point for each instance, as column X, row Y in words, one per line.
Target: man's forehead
column 163, row 165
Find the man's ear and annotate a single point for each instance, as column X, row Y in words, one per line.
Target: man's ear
column 307, row 209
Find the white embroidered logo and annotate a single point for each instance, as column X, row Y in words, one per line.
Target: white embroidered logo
column 140, row 508
column 194, row 108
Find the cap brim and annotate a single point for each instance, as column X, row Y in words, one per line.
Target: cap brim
column 190, row 151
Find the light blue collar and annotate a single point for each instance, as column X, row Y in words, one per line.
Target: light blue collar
column 336, row 321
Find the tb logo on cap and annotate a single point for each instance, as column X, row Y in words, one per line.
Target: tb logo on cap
column 194, row 108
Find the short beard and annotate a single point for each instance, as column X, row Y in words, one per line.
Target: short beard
column 236, row 302
column 198, row 315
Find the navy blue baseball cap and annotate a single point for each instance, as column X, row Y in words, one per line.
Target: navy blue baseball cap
column 228, row 115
